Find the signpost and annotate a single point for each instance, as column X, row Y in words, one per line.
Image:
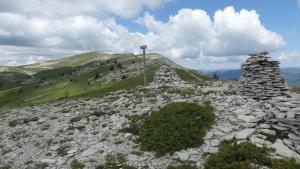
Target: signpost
column 144, row 47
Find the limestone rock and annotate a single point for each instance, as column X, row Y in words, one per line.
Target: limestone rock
column 244, row 134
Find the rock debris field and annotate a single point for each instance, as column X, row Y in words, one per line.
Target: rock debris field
column 89, row 129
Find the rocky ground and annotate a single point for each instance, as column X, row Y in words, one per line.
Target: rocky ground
column 90, row 129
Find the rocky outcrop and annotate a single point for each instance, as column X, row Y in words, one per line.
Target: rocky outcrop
column 261, row 78
column 90, row 129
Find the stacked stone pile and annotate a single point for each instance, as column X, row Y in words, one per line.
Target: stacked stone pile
column 167, row 77
column 261, row 78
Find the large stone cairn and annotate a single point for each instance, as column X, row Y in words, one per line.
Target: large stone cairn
column 261, row 78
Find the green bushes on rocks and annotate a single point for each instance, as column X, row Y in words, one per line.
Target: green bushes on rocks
column 77, row 165
column 115, row 162
column 246, row 156
column 186, row 166
column 176, row 126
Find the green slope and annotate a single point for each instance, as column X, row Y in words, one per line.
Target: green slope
column 87, row 75
column 67, row 82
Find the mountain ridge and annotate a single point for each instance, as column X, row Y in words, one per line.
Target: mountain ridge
column 292, row 75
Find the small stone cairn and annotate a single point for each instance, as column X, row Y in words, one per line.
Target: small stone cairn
column 261, row 78
column 167, row 77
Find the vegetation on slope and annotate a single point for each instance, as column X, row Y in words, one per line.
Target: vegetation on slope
column 176, row 126
column 296, row 90
column 192, row 76
column 72, row 82
column 185, row 166
column 246, row 156
column 115, row 162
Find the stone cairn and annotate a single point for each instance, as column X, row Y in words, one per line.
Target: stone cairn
column 261, row 78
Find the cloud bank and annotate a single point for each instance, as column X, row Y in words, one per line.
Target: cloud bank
column 191, row 37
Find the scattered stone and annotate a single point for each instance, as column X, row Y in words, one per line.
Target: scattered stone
column 244, row 134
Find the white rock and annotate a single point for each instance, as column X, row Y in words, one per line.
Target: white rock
column 210, row 150
column 183, row 156
column 132, row 157
column 268, row 131
column 283, row 150
column 229, row 136
column 290, row 114
column 127, row 135
column 72, row 151
column 215, row 142
column 243, row 134
column 264, row 126
column 293, row 136
column 242, row 111
column 298, row 148
column 88, row 152
column 48, row 161
column 54, row 147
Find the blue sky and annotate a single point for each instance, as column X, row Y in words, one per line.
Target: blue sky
column 199, row 34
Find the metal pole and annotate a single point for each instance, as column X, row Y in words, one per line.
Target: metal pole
column 145, row 67
column 143, row 47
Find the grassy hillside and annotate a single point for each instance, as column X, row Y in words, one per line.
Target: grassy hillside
column 71, row 61
column 86, row 75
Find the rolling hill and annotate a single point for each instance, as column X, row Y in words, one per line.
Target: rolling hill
column 85, row 75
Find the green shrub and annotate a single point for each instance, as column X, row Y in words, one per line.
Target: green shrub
column 242, row 156
column 63, row 150
column 135, row 124
column 285, row 164
column 5, row 167
column 76, row 119
column 115, row 162
column 77, row 165
column 186, row 166
column 98, row 113
column 176, row 126
column 14, row 123
column 40, row 165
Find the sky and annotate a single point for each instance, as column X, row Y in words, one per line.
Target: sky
column 198, row 34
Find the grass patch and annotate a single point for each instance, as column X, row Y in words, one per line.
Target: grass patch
column 40, row 165
column 295, row 90
column 135, row 124
column 192, row 76
column 272, row 138
column 5, row 167
column 77, row 165
column 242, row 156
column 16, row 122
column 185, row 166
column 125, row 84
column 176, row 126
column 63, row 150
column 76, row 119
column 115, row 162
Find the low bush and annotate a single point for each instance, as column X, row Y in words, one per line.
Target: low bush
column 77, row 165
column 186, row 166
column 246, row 156
column 63, row 150
column 115, row 162
column 176, row 126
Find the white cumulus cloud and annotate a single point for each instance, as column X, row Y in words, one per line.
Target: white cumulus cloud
column 191, row 37
column 229, row 33
column 99, row 8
